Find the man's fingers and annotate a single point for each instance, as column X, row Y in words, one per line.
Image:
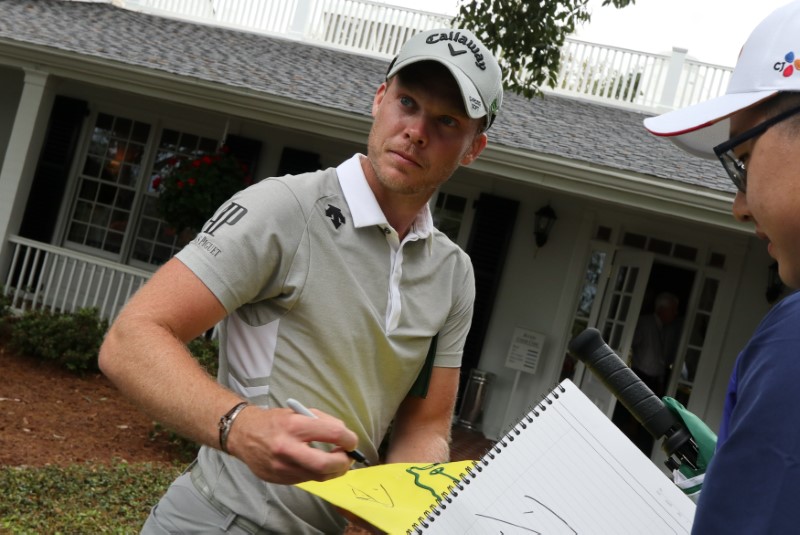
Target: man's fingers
column 324, row 429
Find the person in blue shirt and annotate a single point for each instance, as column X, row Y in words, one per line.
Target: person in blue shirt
column 753, row 482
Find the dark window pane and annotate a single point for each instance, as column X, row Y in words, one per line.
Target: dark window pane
column 140, row 132
column 122, row 128
column 685, row 252
column 634, row 240
column 88, row 190
column 659, row 246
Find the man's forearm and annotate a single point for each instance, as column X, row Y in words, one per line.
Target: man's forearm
column 424, row 448
column 155, row 370
column 421, row 429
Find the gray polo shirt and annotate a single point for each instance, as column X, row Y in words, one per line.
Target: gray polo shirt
column 327, row 306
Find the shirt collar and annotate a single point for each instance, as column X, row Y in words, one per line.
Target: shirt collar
column 363, row 205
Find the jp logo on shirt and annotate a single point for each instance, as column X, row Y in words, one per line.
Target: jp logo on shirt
column 230, row 214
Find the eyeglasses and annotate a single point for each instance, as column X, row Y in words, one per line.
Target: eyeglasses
column 733, row 165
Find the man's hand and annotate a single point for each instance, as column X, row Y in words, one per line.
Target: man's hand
column 275, row 445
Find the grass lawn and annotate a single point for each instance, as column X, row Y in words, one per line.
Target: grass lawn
column 85, row 499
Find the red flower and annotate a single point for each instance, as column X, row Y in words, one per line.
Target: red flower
column 192, row 189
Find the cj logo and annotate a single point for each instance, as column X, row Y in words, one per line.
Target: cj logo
column 789, row 65
column 337, row 218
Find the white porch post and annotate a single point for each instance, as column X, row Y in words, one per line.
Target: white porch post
column 302, row 18
column 22, row 152
column 673, row 78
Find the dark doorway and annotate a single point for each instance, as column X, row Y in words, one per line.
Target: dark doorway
column 664, row 279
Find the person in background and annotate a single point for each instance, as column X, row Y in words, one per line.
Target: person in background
column 655, row 342
column 653, row 349
column 332, row 288
column 752, row 484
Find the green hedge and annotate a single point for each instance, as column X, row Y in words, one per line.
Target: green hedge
column 71, row 339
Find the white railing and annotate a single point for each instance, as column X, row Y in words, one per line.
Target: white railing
column 637, row 79
column 43, row 276
column 358, row 25
column 607, row 74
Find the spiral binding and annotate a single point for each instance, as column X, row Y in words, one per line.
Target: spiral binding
column 430, row 516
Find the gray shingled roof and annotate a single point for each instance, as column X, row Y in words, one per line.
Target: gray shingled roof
column 557, row 126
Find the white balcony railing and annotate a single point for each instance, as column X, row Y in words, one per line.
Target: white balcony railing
column 42, row 276
column 638, row 79
column 612, row 75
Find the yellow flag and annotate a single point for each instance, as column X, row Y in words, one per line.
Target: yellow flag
column 393, row 496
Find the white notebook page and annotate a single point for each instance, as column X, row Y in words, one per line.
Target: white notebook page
column 569, row 471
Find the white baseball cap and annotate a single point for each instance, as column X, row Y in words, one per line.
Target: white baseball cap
column 769, row 63
column 472, row 65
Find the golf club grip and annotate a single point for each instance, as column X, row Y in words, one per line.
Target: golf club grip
column 643, row 404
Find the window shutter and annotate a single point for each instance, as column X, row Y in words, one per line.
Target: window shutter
column 295, row 162
column 246, row 150
column 52, row 170
column 487, row 247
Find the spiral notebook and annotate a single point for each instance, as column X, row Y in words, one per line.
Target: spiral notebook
column 565, row 468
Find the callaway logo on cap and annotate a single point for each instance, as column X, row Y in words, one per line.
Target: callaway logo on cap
column 475, row 69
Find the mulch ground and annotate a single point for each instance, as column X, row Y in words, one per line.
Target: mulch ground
column 51, row 416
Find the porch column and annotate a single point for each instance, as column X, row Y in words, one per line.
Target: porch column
column 676, row 64
column 22, row 153
column 299, row 27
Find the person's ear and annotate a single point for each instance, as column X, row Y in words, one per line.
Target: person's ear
column 475, row 148
column 376, row 101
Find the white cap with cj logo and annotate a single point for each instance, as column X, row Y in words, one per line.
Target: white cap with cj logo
column 473, row 66
column 768, row 63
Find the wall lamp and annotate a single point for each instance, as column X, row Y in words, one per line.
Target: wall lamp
column 543, row 220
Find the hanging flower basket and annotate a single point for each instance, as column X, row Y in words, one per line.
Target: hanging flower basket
column 191, row 189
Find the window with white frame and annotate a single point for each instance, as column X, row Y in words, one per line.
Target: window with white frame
column 452, row 211
column 155, row 241
column 107, row 184
column 113, row 212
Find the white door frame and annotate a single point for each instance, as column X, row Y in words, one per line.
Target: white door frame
column 621, row 299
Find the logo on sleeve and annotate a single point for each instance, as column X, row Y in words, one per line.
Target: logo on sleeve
column 230, row 214
column 337, row 218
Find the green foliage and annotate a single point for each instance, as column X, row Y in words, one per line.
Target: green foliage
column 5, row 304
column 71, row 339
column 191, row 189
column 526, row 36
column 81, row 498
column 185, row 450
column 206, row 352
column 5, row 313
